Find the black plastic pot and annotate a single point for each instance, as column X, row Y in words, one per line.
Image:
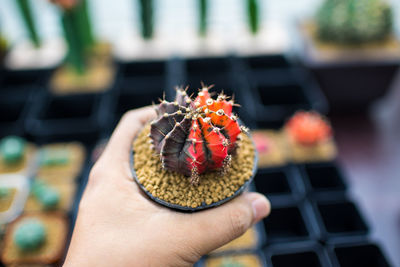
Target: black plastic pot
column 351, row 88
column 305, row 254
column 322, row 178
column 365, row 254
column 349, row 85
column 280, row 185
column 339, row 219
column 291, row 223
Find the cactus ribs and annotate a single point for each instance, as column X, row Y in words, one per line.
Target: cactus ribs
column 194, row 136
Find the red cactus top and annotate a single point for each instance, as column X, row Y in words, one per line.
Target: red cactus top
column 308, row 128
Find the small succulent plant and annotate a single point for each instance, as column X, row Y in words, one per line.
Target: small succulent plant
column 308, row 128
column 194, row 136
column 354, row 21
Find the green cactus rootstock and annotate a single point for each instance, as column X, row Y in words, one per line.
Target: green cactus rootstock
column 27, row 17
column 253, row 16
column 354, row 21
column 203, row 10
column 146, row 16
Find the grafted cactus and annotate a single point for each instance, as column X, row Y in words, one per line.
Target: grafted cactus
column 194, row 136
column 354, row 21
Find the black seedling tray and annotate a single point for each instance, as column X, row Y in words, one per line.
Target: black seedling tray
column 279, row 87
column 210, row 71
column 21, row 83
column 143, row 69
column 222, row 72
column 261, row 63
column 323, row 178
column 278, row 93
column 71, row 117
column 135, row 93
column 142, row 84
column 304, row 254
column 339, row 219
column 12, row 115
column 366, row 254
column 291, row 223
column 280, row 185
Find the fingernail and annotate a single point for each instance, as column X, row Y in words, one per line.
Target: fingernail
column 261, row 208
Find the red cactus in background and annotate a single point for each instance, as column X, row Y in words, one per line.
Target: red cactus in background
column 308, row 128
column 194, row 136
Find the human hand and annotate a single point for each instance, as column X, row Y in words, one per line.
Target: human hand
column 117, row 225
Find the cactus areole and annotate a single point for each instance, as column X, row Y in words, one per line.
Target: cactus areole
column 193, row 136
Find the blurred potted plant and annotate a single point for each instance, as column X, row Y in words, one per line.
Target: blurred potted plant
column 351, row 47
column 88, row 66
column 36, row 53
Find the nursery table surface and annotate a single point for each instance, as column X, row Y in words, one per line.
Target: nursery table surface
column 370, row 157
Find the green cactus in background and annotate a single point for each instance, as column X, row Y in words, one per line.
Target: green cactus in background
column 78, row 34
column 203, row 8
column 253, row 15
column 354, row 21
column 146, row 16
column 26, row 13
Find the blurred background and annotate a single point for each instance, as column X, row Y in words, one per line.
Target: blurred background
column 69, row 69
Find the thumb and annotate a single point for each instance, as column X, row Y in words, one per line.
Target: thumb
column 218, row 226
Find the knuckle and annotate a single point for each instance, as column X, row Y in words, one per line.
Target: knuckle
column 239, row 221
